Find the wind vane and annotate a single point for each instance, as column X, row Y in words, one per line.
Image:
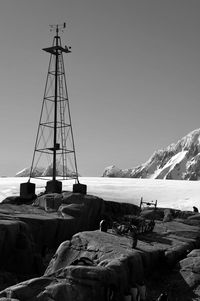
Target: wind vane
column 54, row 145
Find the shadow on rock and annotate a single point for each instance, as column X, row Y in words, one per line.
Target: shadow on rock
column 155, row 237
column 172, row 283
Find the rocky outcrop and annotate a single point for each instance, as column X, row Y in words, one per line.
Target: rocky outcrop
column 113, row 210
column 100, row 266
column 179, row 161
column 112, row 268
column 183, row 282
column 29, row 231
column 16, row 246
column 91, row 265
column 111, row 265
column 189, row 267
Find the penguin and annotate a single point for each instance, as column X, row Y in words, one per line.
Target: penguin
column 195, row 209
column 103, row 226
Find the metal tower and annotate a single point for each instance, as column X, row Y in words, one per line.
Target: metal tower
column 54, row 146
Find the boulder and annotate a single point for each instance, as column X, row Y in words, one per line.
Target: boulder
column 16, row 246
column 90, row 207
column 103, row 249
column 112, row 262
column 190, row 270
column 194, row 253
column 50, row 201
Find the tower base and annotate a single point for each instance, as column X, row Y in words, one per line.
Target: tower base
column 27, row 191
column 80, row 188
column 54, row 186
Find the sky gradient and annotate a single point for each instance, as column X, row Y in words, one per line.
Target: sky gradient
column 133, row 77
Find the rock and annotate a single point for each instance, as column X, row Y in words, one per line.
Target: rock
column 75, row 213
column 16, row 200
column 74, row 210
column 16, row 246
column 191, row 263
column 44, row 228
column 157, row 214
column 194, row 216
column 50, row 201
column 91, row 209
column 27, row 232
column 194, row 253
column 28, row 289
column 8, row 299
column 91, row 264
column 7, row 279
column 183, row 214
column 190, row 270
column 95, row 264
column 115, row 264
column 113, row 210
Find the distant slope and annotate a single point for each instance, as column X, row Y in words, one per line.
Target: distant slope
column 45, row 172
column 179, row 161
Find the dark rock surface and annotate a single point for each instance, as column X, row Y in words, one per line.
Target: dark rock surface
column 16, row 246
column 113, row 210
column 95, row 264
column 183, row 282
column 27, row 232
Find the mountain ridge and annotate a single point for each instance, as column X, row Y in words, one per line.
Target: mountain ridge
column 45, row 171
column 178, row 161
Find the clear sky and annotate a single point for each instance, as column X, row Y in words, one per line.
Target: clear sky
column 133, row 77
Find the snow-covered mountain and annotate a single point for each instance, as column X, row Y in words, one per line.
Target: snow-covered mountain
column 45, row 172
column 25, row 172
column 179, row 161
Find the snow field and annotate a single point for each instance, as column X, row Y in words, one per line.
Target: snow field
column 177, row 194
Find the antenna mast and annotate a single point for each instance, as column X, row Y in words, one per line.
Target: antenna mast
column 55, row 141
column 54, row 145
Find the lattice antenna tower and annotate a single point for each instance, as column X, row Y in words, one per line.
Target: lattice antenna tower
column 54, row 146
